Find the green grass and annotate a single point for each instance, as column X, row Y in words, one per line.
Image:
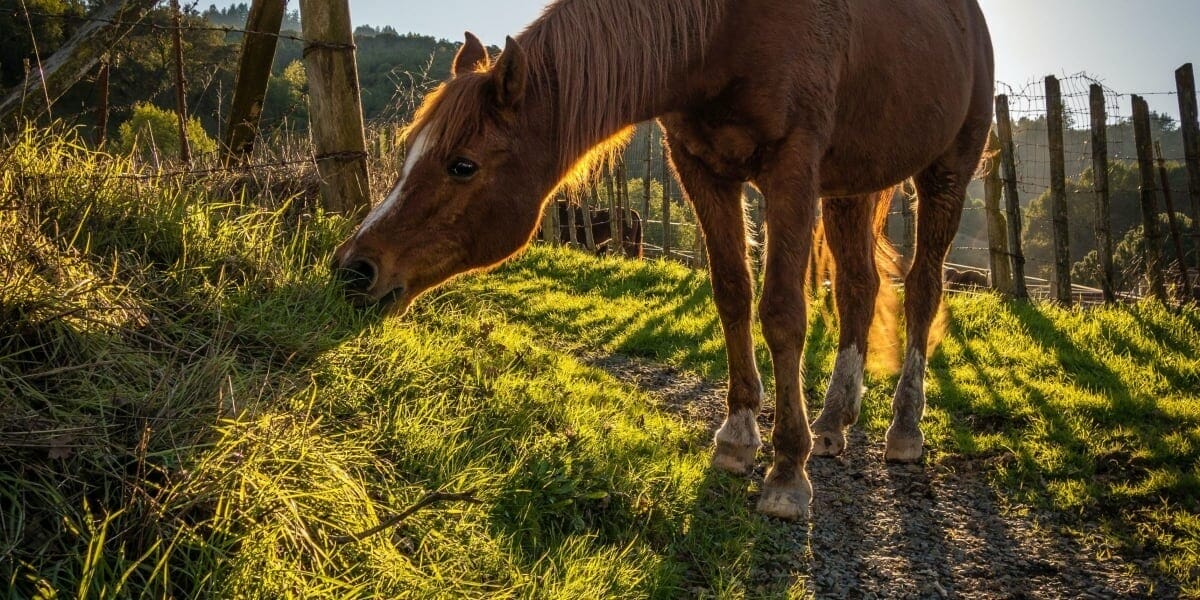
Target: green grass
column 188, row 409
column 1093, row 414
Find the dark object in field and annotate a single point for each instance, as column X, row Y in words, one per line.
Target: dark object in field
column 602, row 230
column 966, row 279
column 805, row 99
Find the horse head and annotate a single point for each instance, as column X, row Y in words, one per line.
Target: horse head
column 472, row 187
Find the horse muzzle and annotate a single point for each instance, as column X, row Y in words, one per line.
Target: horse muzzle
column 357, row 276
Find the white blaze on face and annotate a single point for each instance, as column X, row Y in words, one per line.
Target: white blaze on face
column 419, row 146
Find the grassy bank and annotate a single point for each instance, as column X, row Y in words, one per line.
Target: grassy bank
column 1091, row 414
column 188, row 409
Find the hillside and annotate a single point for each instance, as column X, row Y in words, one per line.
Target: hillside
column 189, row 409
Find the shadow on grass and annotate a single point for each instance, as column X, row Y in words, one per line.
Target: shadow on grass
column 1077, row 441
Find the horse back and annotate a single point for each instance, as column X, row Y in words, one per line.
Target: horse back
column 860, row 76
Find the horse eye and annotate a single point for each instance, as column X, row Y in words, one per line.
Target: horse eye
column 462, row 169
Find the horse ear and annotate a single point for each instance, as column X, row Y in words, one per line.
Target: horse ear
column 510, row 75
column 471, row 57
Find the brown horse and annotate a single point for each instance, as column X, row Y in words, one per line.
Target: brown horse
column 602, row 229
column 806, row 99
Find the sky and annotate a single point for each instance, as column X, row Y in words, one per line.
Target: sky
column 1131, row 45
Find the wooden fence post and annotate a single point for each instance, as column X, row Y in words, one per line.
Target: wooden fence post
column 334, row 93
column 254, row 72
column 1189, row 121
column 910, row 227
column 550, row 229
column 589, row 236
column 572, row 223
column 1153, row 238
column 622, row 181
column 1058, row 191
column 1173, row 223
column 610, row 191
column 627, row 216
column 998, row 259
column 185, row 146
column 1012, row 196
column 1104, row 241
column 666, row 200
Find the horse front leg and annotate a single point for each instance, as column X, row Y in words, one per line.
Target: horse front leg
column 720, row 212
column 791, row 194
column 851, row 240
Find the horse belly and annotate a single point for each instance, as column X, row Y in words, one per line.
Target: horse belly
column 905, row 96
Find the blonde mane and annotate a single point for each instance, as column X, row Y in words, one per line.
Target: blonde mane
column 603, row 64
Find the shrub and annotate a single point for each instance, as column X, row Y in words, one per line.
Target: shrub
column 153, row 129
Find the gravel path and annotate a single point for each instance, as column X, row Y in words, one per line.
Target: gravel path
column 888, row 531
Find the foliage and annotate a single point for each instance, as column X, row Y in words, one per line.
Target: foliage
column 236, row 15
column 50, row 27
column 152, row 130
column 1129, row 256
column 287, row 96
column 1126, row 214
column 1092, row 414
column 394, row 71
column 192, row 410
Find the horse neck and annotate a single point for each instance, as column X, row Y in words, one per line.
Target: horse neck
column 600, row 66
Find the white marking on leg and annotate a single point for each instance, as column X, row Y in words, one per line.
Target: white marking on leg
column 911, row 390
column 846, row 384
column 420, row 145
column 740, row 429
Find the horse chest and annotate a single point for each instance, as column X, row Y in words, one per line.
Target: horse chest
column 728, row 147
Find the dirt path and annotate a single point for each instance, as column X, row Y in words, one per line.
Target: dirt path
column 885, row 531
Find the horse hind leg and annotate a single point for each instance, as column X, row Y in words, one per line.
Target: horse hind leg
column 941, row 190
column 848, row 231
column 718, row 206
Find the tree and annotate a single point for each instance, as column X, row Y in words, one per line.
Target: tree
column 1129, row 257
column 51, row 26
column 1124, row 185
column 286, row 96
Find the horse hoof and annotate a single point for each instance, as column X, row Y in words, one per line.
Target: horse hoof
column 828, row 443
column 789, row 504
column 735, row 459
column 904, row 447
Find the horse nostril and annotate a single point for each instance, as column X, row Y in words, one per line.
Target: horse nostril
column 358, row 276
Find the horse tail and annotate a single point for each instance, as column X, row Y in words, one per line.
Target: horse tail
column 884, row 338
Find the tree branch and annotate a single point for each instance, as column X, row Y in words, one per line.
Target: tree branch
column 426, row 502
